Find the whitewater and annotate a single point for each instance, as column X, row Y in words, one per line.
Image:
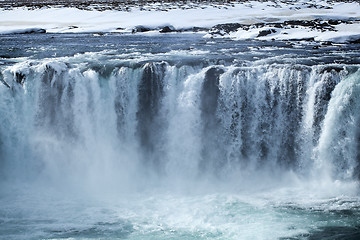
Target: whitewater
column 111, row 128
column 177, row 137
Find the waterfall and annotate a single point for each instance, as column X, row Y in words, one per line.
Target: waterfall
column 339, row 149
column 91, row 125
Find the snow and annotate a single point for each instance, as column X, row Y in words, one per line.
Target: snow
column 343, row 33
column 72, row 20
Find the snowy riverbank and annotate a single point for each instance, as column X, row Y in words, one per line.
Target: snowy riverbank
column 279, row 20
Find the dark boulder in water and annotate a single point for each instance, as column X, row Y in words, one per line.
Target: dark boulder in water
column 167, row 29
column 195, row 29
column 32, row 30
column 140, row 29
column 356, row 41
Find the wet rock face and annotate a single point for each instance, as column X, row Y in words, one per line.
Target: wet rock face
column 20, row 77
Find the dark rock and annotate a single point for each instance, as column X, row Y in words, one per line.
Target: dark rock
column 33, row 30
column 355, row 41
column 266, row 32
column 303, row 39
column 327, row 43
column 303, row 23
column 259, row 25
column 316, row 24
column 227, row 27
column 20, row 77
column 199, row 29
column 334, row 22
column 41, row 30
column 196, row 29
column 330, row 69
column 323, row 24
column 140, row 29
column 313, row 24
column 167, row 29
column 3, row 81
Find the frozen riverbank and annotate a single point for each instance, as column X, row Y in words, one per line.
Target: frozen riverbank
column 290, row 20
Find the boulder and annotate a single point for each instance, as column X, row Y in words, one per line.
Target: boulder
column 140, row 29
column 266, row 32
column 32, row 30
column 227, row 27
column 167, row 29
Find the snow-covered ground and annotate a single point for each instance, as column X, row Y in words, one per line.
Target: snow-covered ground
column 256, row 20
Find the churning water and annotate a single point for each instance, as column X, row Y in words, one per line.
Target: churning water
column 177, row 137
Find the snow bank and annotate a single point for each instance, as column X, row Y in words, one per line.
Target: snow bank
column 296, row 31
column 73, row 20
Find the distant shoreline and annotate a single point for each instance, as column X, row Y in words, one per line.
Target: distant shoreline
column 102, row 5
column 126, row 5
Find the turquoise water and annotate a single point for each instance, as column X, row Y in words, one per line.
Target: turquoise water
column 180, row 216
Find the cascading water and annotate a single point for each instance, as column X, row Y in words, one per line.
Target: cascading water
column 185, row 121
column 278, row 133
